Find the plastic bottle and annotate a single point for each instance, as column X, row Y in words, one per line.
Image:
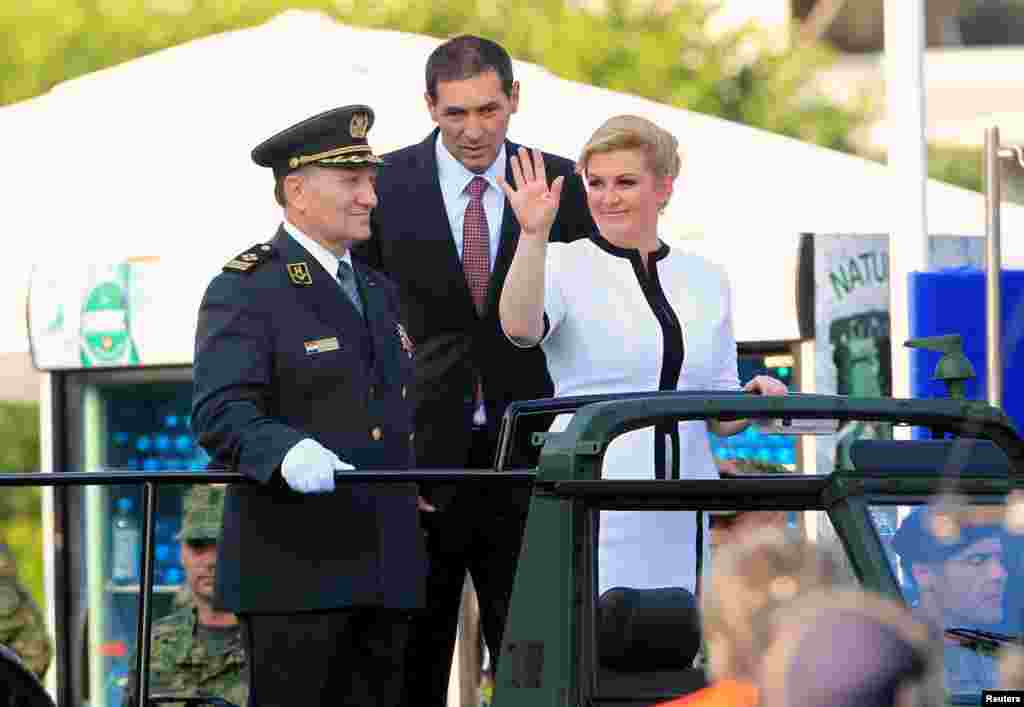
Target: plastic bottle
column 174, row 576
column 117, row 682
column 125, row 544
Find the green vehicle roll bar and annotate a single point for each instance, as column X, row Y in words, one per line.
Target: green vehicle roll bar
column 549, row 651
column 567, row 481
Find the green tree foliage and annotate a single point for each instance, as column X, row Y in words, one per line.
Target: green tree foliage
column 669, row 56
column 19, row 430
column 20, row 516
column 961, row 166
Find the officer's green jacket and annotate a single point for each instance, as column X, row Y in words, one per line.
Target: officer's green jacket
column 181, row 664
column 22, row 628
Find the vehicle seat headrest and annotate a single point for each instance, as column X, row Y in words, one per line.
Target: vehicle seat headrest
column 642, row 630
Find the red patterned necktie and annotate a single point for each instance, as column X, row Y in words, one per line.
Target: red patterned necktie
column 476, row 263
column 476, row 244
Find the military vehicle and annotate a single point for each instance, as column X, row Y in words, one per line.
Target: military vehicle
column 567, row 644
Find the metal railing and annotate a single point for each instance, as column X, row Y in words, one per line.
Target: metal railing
column 150, row 480
column 598, row 419
column 994, row 154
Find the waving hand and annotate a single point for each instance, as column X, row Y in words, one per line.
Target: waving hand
column 533, row 201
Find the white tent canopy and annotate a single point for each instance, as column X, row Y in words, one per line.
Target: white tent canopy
column 150, row 158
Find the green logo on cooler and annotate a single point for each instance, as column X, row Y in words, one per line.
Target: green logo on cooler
column 105, row 335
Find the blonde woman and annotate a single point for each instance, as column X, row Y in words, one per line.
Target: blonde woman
column 752, row 578
column 622, row 311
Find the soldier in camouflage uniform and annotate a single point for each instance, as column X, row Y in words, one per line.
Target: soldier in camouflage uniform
column 198, row 650
column 22, row 628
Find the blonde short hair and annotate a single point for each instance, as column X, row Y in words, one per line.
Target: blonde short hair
column 631, row 132
column 749, row 581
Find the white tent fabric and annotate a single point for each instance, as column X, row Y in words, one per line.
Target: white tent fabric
column 151, row 158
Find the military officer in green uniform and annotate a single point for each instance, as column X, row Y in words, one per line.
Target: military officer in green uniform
column 22, row 628
column 198, row 650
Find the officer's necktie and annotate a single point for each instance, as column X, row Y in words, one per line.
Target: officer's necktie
column 476, row 244
column 347, row 278
column 476, row 263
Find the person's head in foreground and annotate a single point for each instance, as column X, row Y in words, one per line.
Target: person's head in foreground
column 732, row 526
column 848, row 648
column 750, row 580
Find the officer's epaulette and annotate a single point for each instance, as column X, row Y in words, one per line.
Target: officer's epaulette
column 251, row 259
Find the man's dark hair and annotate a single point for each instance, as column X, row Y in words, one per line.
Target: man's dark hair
column 279, row 191
column 279, row 194
column 467, row 56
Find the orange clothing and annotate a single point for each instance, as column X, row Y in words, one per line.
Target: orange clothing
column 724, row 693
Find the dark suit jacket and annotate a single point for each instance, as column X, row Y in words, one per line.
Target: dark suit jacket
column 413, row 244
column 259, row 390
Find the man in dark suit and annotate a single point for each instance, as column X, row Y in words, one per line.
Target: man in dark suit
column 445, row 235
column 302, row 370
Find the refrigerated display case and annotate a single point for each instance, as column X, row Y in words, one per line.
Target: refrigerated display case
column 114, row 343
column 120, row 420
column 752, row 444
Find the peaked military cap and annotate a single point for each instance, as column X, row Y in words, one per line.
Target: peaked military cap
column 917, row 540
column 203, row 510
column 334, row 138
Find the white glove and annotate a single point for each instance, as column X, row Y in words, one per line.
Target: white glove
column 309, row 467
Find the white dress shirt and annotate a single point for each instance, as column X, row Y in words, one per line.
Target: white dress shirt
column 454, row 178
column 326, row 258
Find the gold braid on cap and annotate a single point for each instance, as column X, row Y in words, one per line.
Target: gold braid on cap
column 296, row 162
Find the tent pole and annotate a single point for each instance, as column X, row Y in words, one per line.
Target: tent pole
column 993, row 268
column 907, row 158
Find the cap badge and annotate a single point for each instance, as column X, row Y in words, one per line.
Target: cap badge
column 299, row 274
column 359, row 125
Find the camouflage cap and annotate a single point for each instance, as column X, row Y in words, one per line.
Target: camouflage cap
column 202, row 513
column 918, row 538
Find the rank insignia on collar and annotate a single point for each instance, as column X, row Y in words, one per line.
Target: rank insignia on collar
column 251, row 259
column 298, row 273
column 403, row 337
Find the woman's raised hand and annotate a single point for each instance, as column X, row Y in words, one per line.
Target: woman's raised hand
column 533, row 201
